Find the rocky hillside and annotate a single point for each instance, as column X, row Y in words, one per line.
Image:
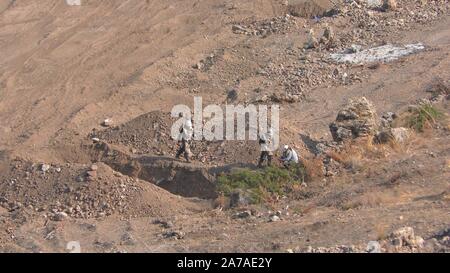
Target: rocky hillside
column 86, row 88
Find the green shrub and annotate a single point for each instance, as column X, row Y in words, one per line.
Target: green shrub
column 422, row 116
column 262, row 183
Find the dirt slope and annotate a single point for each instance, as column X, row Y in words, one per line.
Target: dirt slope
column 65, row 69
column 72, row 66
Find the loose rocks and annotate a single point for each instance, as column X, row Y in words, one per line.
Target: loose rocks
column 356, row 119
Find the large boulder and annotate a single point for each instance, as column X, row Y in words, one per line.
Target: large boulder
column 312, row 41
column 405, row 237
column 387, row 119
column 310, row 8
column 398, row 135
column 357, row 119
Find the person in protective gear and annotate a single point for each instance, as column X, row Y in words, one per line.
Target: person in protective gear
column 185, row 136
column 265, row 141
column 289, row 156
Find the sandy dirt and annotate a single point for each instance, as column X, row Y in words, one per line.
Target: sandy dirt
column 65, row 69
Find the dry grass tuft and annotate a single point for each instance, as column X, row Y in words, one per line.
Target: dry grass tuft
column 381, row 232
column 336, row 156
column 313, row 167
column 220, row 202
column 351, row 157
column 374, row 199
column 303, row 210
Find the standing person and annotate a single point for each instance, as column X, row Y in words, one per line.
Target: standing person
column 265, row 141
column 185, row 136
column 289, row 156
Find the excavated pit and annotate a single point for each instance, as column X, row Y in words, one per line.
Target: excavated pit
column 142, row 147
column 187, row 180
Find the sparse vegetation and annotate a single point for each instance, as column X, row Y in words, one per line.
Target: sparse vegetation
column 313, row 168
column 438, row 87
column 263, row 184
column 381, row 231
column 88, row 95
column 423, row 116
column 372, row 199
column 351, row 159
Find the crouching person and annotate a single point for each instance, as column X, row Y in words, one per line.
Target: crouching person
column 289, row 156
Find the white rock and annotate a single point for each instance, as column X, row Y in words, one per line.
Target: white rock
column 45, row 167
column 73, row 2
column 274, row 218
column 107, row 122
column 373, row 247
column 400, row 134
column 355, row 49
column 374, row 3
column 386, row 53
column 60, row 216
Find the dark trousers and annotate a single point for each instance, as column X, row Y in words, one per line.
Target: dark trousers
column 288, row 164
column 184, row 149
column 265, row 156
